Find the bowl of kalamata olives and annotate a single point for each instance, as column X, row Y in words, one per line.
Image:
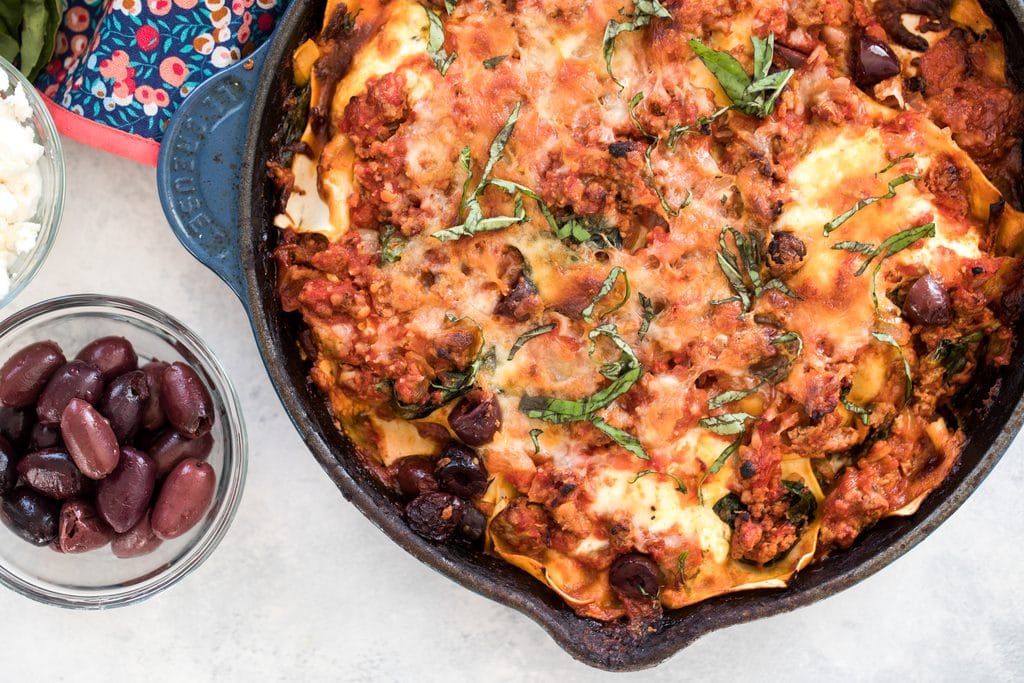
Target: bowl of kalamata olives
column 122, row 451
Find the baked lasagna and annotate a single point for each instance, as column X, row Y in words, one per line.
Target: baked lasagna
column 655, row 300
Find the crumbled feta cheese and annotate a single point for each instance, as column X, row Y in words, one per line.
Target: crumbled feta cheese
column 20, row 180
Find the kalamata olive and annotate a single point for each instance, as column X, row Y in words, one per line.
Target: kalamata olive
column 184, row 497
column 635, row 577
column 81, row 529
column 521, row 302
column 927, row 303
column 476, row 417
column 52, row 472
column 460, row 471
column 786, row 253
column 123, row 403
column 16, row 424
column 112, row 356
column 31, row 515
column 139, row 540
column 45, row 436
column 787, row 56
column 74, row 380
column 873, row 61
column 89, row 439
column 122, row 497
column 153, row 418
column 473, row 524
column 186, row 401
column 8, row 466
column 25, row 374
column 435, row 516
column 172, row 447
column 414, row 475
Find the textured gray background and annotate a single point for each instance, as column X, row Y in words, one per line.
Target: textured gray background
column 304, row 588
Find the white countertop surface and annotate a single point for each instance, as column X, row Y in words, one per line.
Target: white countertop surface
column 304, row 588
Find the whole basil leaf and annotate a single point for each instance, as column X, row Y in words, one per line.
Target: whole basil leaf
column 726, row 68
column 8, row 47
column 33, row 36
column 28, row 33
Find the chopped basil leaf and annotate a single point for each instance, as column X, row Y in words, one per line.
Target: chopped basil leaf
column 606, row 288
column 470, row 211
column 493, row 62
column 728, row 424
column 953, row 354
column 561, row 411
column 613, row 370
column 621, row 437
column 648, row 315
column 681, row 568
column 892, row 165
column 731, row 269
column 855, row 247
column 643, row 12
column 633, row 102
column 573, row 229
column 701, row 126
column 594, row 231
column 498, row 144
column 718, row 464
column 535, row 438
column 791, row 337
column 890, row 246
column 688, row 200
column 680, row 486
column 392, row 243
column 527, row 336
column 466, row 161
column 473, row 220
column 748, row 251
column 652, row 180
column 512, row 188
column 905, row 238
column 435, row 43
column 776, row 283
column 860, row 411
column 476, row 223
column 725, row 397
column 886, row 338
column 665, row 206
column 753, row 96
column 867, row 201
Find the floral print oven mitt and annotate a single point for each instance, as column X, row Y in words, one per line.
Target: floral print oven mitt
column 121, row 67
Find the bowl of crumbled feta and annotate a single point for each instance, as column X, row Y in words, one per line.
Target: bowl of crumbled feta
column 31, row 182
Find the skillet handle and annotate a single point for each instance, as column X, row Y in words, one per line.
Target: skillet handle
column 200, row 164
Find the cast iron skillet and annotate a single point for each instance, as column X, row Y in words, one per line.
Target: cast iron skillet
column 220, row 203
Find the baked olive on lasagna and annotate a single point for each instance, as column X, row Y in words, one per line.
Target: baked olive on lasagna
column 656, row 300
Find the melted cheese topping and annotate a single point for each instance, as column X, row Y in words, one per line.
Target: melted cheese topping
column 391, row 330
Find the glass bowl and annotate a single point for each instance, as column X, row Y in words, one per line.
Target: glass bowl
column 97, row 579
column 51, row 199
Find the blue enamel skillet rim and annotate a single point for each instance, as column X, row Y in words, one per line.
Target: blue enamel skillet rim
column 220, row 203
